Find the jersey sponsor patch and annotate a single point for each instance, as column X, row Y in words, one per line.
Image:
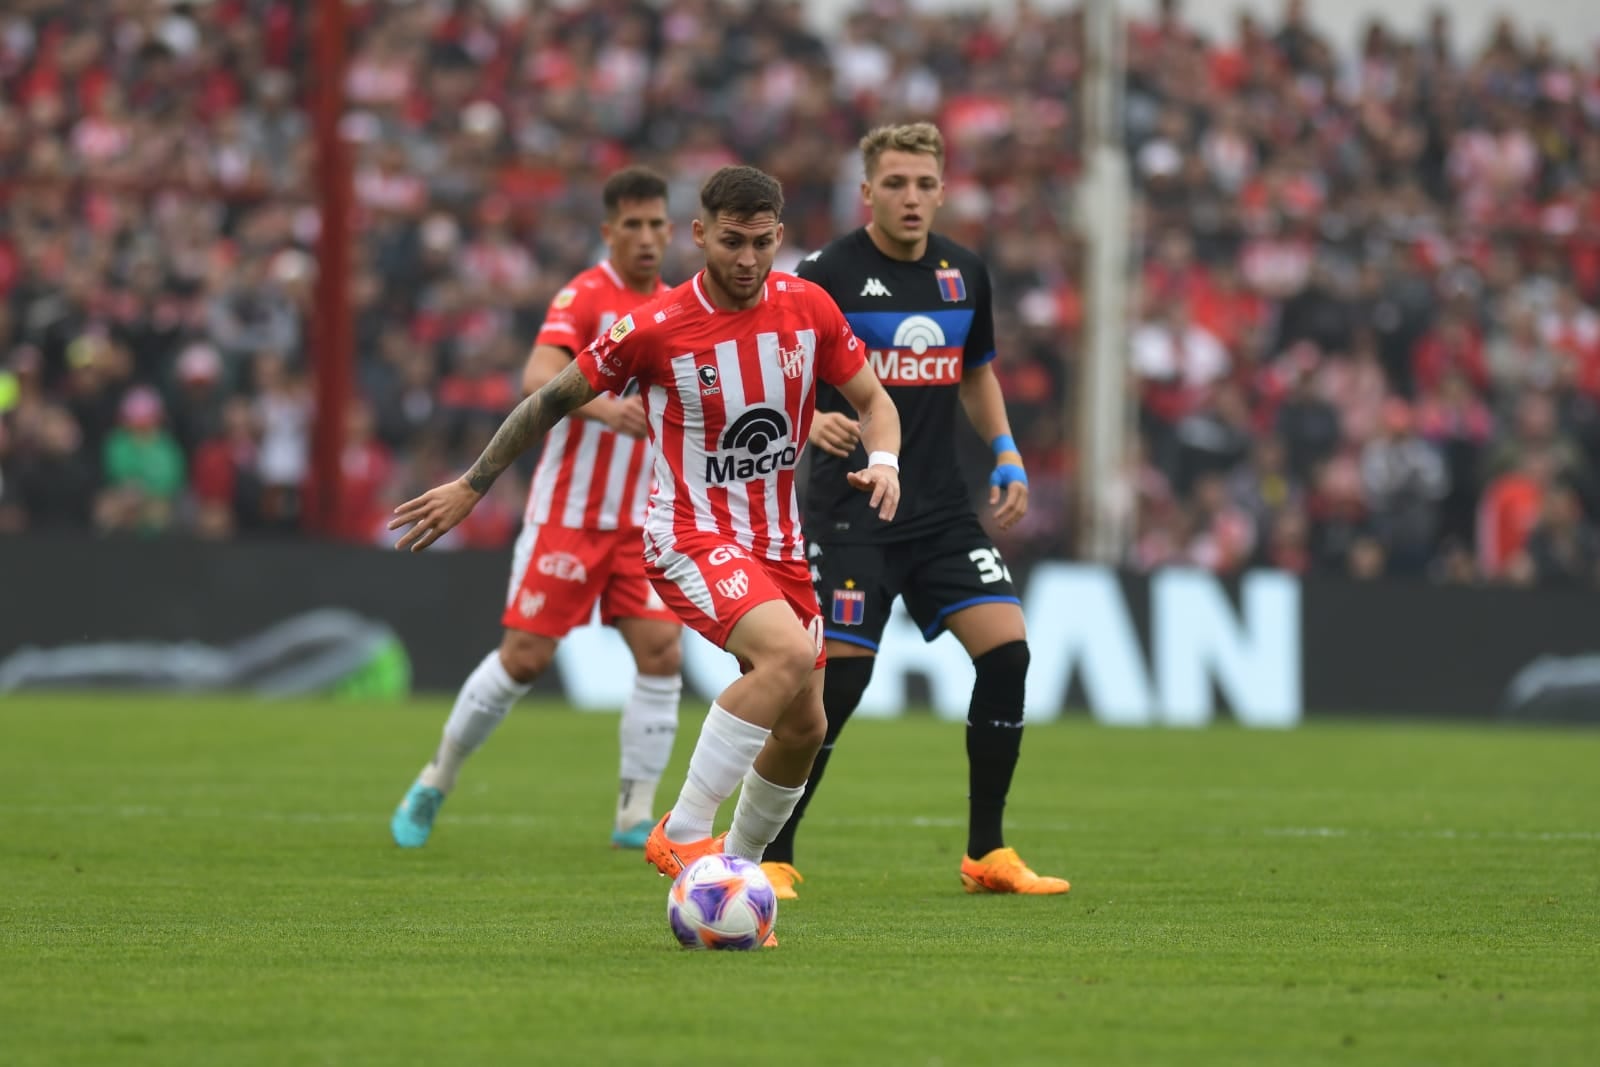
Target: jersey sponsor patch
column 755, row 445
column 564, row 298
column 849, row 607
column 621, row 328
column 952, row 288
column 934, row 366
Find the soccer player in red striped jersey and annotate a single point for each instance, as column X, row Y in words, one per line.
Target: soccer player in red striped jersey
column 728, row 364
column 581, row 541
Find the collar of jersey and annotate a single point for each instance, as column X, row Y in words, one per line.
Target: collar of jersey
column 930, row 259
column 705, row 301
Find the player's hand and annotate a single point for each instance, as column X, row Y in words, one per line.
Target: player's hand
column 834, row 433
column 883, row 483
column 1008, row 494
column 627, row 416
column 433, row 514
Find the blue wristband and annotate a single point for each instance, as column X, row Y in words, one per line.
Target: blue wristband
column 1007, row 473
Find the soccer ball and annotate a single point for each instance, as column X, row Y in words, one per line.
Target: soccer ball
column 722, row 902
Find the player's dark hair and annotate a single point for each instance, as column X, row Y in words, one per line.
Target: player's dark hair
column 741, row 193
column 632, row 184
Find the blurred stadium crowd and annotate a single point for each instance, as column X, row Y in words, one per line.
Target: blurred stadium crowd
column 1366, row 338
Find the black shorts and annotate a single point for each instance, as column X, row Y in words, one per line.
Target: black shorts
column 957, row 568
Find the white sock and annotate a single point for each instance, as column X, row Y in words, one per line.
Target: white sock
column 649, row 726
column 727, row 748
column 485, row 697
column 762, row 810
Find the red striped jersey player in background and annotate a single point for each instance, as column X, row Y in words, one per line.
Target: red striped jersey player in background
column 729, row 365
column 581, row 541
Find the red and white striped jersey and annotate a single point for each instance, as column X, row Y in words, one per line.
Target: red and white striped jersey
column 589, row 477
column 729, row 396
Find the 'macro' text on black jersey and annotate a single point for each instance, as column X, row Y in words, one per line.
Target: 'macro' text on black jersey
column 923, row 323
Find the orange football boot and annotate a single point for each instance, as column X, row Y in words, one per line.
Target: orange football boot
column 783, row 877
column 1002, row 871
column 671, row 857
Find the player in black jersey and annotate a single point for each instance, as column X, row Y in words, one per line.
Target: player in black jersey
column 922, row 305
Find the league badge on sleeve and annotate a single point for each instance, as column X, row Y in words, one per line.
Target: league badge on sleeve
column 952, row 288
column 849, row 607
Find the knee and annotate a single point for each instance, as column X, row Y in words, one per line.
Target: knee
column 660, row 659
column 804, row 726
column 1002, row 676
column 790, row 659
column 526, row 656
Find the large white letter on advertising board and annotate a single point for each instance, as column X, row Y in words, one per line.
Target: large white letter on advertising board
column 903, row 653
column 1254, row 655
column 1077, row 621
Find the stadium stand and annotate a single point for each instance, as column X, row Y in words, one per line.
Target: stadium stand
column 1366, row 338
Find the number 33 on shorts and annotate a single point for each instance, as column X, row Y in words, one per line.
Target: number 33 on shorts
column 991, row 568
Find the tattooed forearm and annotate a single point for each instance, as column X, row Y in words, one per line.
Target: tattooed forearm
column 528, row 422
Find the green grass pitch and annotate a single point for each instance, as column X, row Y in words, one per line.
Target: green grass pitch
column 211, row 882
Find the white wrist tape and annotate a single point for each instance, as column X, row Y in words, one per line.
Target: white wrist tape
column 884, row 459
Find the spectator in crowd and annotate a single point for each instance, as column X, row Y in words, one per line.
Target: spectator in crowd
column 227, row 483
column 50, row 482
column 1404, row 478
column 1561, row 552
column 144, row 468
column 1510, row 508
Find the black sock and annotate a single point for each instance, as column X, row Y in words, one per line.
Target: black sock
column 994, row 738
column 846, row 679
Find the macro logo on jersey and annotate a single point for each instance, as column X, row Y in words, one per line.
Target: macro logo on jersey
column 754, row 445
column 920, row 348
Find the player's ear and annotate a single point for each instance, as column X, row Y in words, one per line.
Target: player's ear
column 605, row 231
column 866, row 192
column 697, row 229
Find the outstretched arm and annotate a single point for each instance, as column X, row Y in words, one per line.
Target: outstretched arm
column 986, row 408
column 880, row 433
column 528, row 422
column 624, row 415
column 438, row 511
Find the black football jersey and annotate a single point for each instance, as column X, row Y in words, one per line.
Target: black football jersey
column 924, row 324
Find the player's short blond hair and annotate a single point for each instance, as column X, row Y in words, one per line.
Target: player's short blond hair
column 918, row 138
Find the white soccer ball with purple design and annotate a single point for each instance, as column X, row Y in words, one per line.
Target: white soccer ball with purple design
column 722, row 902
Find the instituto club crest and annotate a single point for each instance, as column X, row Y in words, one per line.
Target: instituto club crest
column 792, row 360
